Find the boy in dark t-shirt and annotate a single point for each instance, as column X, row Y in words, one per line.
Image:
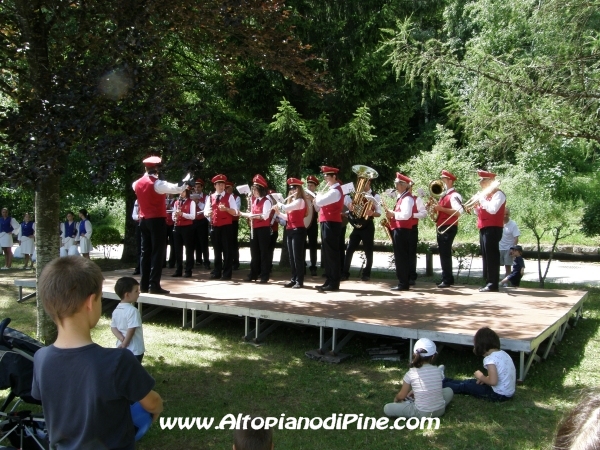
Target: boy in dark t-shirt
column 86, row 390
column 518, row 268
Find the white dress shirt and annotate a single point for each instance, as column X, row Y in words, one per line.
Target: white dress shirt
column 328, row 197
column 406, row 207
column 162, row 186
column 208, row 205
column 493, row 205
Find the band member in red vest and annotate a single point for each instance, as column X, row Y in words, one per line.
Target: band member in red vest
column 236, row 225
column 449, row 208
column 364, row 233
column 151, row 195
column 330, row 204
column 170, row 235
column 275, row 222
column 260, row 236
column 221, row 208
column 294, row 213
column 401, row 223
column 312, row 231
column 490, row 221
column 184, row 213
column 201, row 225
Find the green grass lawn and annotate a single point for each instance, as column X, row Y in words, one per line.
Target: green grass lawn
column 211, row 373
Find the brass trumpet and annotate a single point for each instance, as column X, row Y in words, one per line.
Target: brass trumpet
column 384, row 222
column 471, row 203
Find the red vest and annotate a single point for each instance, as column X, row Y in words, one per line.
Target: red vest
column 257, row 208
column 185, row 208
column 485, row 219
column 394, row 224
column 151, row 204
column 445, row 202
column 414, row 220
column 296, row 218
column 333, row 211
column 220, row 218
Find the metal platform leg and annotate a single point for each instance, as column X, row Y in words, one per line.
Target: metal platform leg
column 184, row 324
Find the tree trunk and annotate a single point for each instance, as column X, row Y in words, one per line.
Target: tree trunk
column 129, row 243
column 47, row 244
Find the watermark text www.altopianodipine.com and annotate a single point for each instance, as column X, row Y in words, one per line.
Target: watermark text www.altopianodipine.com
column 283, row 422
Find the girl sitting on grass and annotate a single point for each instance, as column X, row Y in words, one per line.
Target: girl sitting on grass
column 499, row 384
column 421, row 394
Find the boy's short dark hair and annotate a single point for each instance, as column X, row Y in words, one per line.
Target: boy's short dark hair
column 485, row 339
column 65, row 283
column 125, row 285
column 252, row 439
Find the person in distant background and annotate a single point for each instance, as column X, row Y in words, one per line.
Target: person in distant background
column 85, row 234
column 26, row 240
column 510, row 238
column 8, row 227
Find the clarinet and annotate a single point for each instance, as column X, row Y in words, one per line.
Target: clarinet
column 249, row 219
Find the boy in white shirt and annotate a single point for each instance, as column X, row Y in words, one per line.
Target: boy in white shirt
column 126, row 322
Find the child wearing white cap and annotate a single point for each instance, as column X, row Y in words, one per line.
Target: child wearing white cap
column 421, row 394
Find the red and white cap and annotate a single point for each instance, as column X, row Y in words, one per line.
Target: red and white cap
column 200, row 181
column 312, row 179
column 402, row 178
column 446, row 174
column 220, row 178
column 152, row 161
column 260, row 181
column 294, row 182
column 325, row 170
column 482, row 174
column 228, row 183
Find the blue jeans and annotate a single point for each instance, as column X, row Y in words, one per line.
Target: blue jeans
column 470, row 387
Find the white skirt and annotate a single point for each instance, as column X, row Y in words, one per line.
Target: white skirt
column 27, row 245
column 85, row 245
column 6, row 240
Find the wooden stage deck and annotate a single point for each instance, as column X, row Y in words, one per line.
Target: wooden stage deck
column 524, row 318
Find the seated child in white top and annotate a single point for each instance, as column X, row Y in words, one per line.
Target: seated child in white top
column 499, row 384
column 421, row 394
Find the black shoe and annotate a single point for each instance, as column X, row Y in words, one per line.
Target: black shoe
column 290, row 284
column 297, row 286
column 443, row 284
column 328, row 287
column 176, row 274
column 263, row 281
column 215, row 277
column 411, row 282
column 250, row 278
column 158, row 291
column 365, row 278
column 313, row 272
column 399, row 288
column 344, row 277
column 137, row 272
column 489, row 289
column 226, row 278
column 188, row 275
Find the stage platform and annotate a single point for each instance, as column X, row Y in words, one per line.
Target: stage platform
column 524, row 318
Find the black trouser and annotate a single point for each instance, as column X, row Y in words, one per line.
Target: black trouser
column 184, row 236
column 330, row 252
column 313, row 233
column 414, row 242
column 236, row 243
column 489, row 240
column 154, row 235
column 260, row 262
column 222, row 242
column 138, row 244
column 342, row 245
column 272, row 244
column 296, row 239
column 445, row 241
column 170, row 243
column 366, row 234
column 401, row 241
column 201, row 241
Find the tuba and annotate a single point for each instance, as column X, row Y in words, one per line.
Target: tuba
column 437, row 188
column 362, row 206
